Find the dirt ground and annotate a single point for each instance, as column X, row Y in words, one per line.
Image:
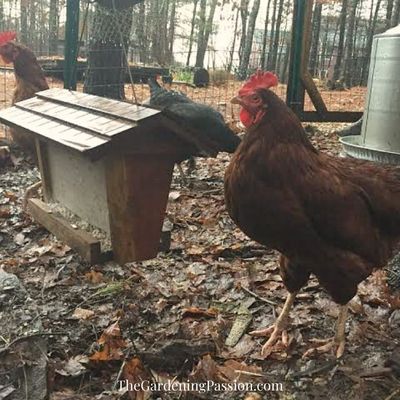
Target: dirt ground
column 76, row 330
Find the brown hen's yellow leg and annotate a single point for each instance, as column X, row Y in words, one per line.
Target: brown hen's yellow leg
column 339, row 341
column 278, row 330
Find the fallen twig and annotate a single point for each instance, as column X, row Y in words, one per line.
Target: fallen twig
column 375, row 372
column 392, row 395
column 263, row 299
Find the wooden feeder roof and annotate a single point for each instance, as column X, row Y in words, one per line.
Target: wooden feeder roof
column 77, row 120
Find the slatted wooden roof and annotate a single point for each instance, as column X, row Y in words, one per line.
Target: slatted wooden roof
column 77, row 120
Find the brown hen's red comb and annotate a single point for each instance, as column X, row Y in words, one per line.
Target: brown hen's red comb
column 5, row 37
column 259, row 80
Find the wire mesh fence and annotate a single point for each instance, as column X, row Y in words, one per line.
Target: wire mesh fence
column 123, row 42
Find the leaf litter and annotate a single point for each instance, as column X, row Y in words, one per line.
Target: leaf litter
column 170, row 317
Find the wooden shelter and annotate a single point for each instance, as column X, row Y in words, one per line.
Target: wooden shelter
column 108, row 162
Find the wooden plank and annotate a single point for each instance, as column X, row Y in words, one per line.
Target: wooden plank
column 313, row 92
column 76, row 138
column 84, row 243
column 100, row 124
column 44, row 168
column 137, row 195
column 110, row 107
column 330, row 116
column 306, row 77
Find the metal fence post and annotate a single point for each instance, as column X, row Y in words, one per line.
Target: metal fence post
column 295, row 89
column 71, row 44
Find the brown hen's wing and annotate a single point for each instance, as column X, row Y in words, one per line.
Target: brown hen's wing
column 342, row 214
column 279, row 218
column 382, row 185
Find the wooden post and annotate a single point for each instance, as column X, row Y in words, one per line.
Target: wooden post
column 41, row 152
column 137, row 194
column 305, row 75
column 299, row 77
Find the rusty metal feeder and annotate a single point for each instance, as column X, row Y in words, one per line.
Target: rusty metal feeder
column 108, row 162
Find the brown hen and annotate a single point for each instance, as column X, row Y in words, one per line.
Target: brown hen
column 29, row 79
column 335, row 218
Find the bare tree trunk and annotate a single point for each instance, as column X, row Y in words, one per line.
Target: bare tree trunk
column 24, row 21
column 389, row 10
column 106, row 68
column 395, row 14
column 316, row 28
column 163, row 33
column 272, row 64
column 349, row 62
column 244, row 60
column 201, row 30
column 265, row 36
column 272, row 37
column 356, row 65
column 53, row 27
column 284, row 76
column 43, row 21
column 171, row 32
column 154, row 23
column 244, row 12
column 202, row 44
column 324, row 47
column 279, row 66
column 2, row 22
column 192, row 27
column 368, row 47
column 330, row 56
column 229, row 68
column 339, row 56
column 140, row 25
column 32, row 39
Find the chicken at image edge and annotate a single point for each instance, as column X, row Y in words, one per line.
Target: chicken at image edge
column 29, row 79
column 336, row 218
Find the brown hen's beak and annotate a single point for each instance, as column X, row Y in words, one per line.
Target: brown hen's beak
column 236, row 100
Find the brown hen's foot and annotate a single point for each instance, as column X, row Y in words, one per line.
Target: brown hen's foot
column 278, row 330
column 336, row 344
column 277, row 333
column 331, row 345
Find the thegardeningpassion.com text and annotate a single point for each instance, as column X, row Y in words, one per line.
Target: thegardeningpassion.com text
column 200, row 387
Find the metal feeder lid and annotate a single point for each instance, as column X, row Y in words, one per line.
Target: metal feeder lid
column 390, row 32
column 354, row 148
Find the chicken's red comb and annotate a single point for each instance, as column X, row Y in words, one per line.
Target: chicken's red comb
column 259, row 80
column 6, row 37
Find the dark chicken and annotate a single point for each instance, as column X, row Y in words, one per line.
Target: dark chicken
column 198, row 117
column 29, row 80
column 335, row 218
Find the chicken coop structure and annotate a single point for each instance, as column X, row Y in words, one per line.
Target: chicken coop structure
column 108, row 162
